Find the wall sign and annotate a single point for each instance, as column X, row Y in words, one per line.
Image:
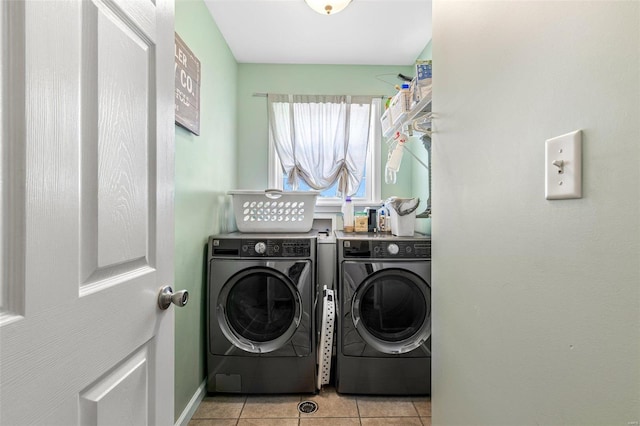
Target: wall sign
column 187, row 75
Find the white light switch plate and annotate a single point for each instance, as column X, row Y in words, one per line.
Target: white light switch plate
column 563, row 166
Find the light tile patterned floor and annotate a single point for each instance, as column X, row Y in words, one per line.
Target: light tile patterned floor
column 334, row 409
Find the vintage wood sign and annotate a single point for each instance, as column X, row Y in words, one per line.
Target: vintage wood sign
column 187, row 75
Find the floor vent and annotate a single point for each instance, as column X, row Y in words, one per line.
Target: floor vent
column 307, row 407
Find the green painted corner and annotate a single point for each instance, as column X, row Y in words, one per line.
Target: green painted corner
column 426, row 52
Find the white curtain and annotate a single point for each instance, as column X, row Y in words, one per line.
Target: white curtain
column 321, row 138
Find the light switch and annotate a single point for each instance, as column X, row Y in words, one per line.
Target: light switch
column 563, row 166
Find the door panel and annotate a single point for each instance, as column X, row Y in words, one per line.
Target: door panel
column 391, row 311
column 123, row 139
column 260, row 309
column 121, row 391
column 385, row 308
column 83, row 341
column 392, row 308
column 12, row 163
column 298, row 285
column 119, row 206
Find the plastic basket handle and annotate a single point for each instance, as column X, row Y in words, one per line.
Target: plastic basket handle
column 274, row 194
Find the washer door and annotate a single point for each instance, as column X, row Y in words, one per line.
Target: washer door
column 391, row 310
column 259, row 309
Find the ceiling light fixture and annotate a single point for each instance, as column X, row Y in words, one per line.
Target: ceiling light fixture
column 327, row 7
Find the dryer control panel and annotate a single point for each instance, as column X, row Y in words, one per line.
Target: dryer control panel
column 400, row 249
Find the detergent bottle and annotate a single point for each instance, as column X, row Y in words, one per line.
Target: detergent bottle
column 347, row 215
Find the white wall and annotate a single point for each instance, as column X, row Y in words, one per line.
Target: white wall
column 536, row 303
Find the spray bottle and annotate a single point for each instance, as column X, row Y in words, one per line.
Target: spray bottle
column 396, row 156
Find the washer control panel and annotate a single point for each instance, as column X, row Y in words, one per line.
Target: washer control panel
column 400, row 249
column 275, row 248
column 262, row 247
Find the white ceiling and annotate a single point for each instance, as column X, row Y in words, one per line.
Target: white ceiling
column 367, row 32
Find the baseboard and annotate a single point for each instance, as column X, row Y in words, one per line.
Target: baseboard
column 192, row 406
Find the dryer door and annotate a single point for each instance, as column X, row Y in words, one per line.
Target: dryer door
column 259, row 309
column 391, row 310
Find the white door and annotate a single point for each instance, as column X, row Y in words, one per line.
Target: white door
column 87, row 212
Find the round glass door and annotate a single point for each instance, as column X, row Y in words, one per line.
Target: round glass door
column 259, row 309
column 391, row 310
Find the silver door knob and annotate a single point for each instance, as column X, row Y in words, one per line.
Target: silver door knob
column 167, row 296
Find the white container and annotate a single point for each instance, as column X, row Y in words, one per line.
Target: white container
column 400, row 104
column 423, row 72
column 402, row 225
column 386, row 123
column 347, row 215
column 273, row 210
column 383, row 219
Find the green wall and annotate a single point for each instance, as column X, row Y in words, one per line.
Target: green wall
column 535, row 301
column 253, row 140
column 205, row 171
column 426, row 52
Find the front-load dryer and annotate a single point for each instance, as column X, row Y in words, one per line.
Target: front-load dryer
column 260, row 313
column 384, row 314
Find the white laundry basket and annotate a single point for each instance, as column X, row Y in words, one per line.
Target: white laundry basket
column 273, row 210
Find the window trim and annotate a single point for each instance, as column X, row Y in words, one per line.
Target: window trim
column 374, row 178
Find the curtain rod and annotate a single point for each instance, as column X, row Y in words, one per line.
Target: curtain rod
column 264, row 95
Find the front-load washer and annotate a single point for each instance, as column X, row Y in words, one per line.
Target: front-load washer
column 384, row 314
column 260, row 313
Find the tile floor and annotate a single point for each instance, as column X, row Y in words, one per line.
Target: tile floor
column 333, row 410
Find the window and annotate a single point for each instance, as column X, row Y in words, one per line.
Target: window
column 363, row 119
